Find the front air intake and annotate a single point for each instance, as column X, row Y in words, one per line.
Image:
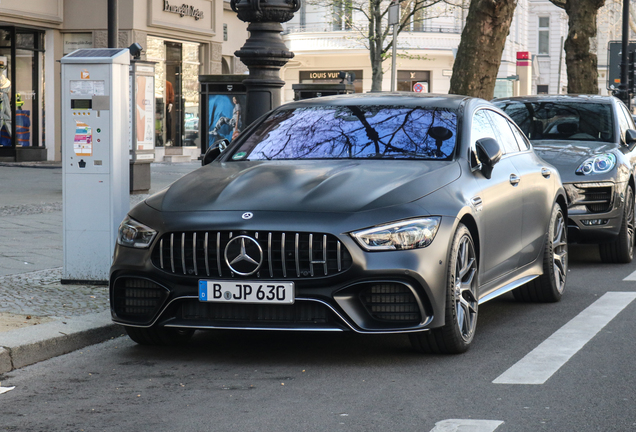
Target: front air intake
column 391, row 302
column 137, row 300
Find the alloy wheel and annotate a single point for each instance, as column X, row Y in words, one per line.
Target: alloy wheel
column 560, row 252
column 465, row 288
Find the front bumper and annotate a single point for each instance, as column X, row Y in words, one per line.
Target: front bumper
column 595, row 211
column 366, row 292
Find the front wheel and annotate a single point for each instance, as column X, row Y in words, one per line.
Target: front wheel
column 550, row 285
column 621, row 250
column 461, row 302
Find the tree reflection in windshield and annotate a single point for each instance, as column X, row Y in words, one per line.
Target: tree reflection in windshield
column 338, row 132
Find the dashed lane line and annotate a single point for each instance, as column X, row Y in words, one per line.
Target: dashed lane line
column 465, row 425
column 542, row 362
column 631, row 277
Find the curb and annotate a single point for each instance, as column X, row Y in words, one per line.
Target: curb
column 29, row 345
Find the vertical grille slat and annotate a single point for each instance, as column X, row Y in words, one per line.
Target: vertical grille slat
column 284, row 254
column 206, row 252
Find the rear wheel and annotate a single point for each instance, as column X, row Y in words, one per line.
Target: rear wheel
column 461, row 302
column 159, row 335
column 621, row 250
column 550, row 285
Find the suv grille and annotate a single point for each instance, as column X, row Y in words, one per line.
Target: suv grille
column 285, row 254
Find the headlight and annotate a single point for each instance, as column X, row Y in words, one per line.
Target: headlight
column 597, row 164
column 409, row 234
column 135, row 234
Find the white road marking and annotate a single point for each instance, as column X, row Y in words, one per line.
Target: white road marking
column 631, row 277
column 462, row 425
column 542, row 362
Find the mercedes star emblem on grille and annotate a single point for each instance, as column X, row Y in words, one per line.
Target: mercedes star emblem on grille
column 247, row 215
column 243, row 255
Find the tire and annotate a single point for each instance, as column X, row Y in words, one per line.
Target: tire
column 457, row 333
column 621, row 250
column 159, row 335
column 549, row 287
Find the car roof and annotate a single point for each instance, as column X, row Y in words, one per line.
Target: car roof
column 384, row 98
column 578, row 98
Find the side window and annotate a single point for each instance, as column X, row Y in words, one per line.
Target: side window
column 623, row 123
column 506, row 138
column 628, row 115
column 480, row 128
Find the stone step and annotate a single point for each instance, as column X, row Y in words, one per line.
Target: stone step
column 177, row 158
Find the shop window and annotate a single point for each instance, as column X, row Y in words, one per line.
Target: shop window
column 542, row 89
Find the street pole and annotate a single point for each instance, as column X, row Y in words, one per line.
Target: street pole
column 624, row 90
column 113, row 24
column 394, row 20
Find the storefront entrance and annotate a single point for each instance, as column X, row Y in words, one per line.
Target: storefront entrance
column 21, row 99
column 176, row 91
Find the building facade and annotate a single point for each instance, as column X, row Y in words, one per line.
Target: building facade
column 183, row 40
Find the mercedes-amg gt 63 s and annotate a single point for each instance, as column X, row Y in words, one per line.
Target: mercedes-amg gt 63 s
column 375, row 213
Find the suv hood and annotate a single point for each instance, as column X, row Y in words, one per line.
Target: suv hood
column 567, row 156
column 309, row 186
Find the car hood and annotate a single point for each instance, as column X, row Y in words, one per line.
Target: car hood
column 309, row 186
column 567, row 156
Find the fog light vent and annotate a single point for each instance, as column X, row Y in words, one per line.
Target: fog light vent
column 137, row 299
column 391, row 302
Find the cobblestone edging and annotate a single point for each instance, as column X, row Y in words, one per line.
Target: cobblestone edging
column 40, row 293
column 29, row 209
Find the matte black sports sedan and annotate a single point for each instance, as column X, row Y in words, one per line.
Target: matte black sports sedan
column 375, row 213
column 591, row 141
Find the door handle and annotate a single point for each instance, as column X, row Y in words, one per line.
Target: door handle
column 514, row 179
column 545, row 172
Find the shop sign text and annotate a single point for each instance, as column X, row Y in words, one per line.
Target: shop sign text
column 183, row 10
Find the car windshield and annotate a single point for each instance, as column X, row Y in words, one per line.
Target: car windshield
column 352, row 132
column 562, row 120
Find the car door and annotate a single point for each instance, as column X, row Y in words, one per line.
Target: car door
column 533, row 174
column 499, row 209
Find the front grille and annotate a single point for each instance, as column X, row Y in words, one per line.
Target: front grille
column 391, row 302
column 137, row 299
column 285, row 254
column 219, row 313
column 595, row 198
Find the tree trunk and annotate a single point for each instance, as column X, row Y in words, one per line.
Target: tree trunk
column 581, row 63
column 481, row 46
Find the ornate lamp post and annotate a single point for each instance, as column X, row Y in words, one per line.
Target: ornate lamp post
column 264, row 52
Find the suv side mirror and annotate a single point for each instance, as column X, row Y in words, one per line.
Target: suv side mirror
column 488, row 153
column 630, row 136
column 214, row 151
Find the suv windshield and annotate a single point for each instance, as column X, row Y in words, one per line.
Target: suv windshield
column 562, row 120
column 351, row 132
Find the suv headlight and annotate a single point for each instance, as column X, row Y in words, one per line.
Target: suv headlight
column 597, row 164
column 135, row 234
column 408, row 234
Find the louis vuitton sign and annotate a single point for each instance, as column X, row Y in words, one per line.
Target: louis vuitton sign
column 183, row 10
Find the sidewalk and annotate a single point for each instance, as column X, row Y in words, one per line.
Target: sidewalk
column 39, row 317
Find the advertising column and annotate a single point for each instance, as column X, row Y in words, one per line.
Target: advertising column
column 95, row 112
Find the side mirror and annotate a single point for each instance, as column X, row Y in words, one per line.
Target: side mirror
column 488, row 153
column 630, row 136
column 214, row 151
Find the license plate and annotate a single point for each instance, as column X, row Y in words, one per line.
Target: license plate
column 246, row 292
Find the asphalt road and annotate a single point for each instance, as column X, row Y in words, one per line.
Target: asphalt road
column 257, row 381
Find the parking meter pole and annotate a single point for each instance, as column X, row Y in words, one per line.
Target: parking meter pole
column 264, row 53
column 394, row 20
